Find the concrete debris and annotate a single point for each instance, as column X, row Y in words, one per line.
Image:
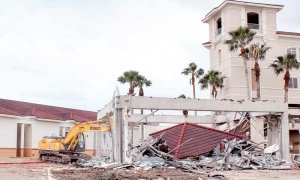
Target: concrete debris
column 154, row 153
column 95, row 162
column 148, row 162
column 229, row 155
column 271, row 149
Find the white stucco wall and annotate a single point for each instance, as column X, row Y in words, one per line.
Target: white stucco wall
column 8, row 133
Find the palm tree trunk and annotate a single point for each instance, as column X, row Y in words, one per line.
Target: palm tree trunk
column 214, row 92
column 257, row 78
column 193, row 84
column 286, row 85
column 194, row 91
column 141, row 93
column 131, row 89
column 243, row 52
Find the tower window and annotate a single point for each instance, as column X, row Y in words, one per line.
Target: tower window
column 219, row 26
column 292, row 51
column 253, row 20
column 293, row 83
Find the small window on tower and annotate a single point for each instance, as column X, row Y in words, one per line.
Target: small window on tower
column 292, row 51
column 293, row 83
column 253, row 20
column 219, row 26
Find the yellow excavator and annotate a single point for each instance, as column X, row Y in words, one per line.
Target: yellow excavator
column 70, row 148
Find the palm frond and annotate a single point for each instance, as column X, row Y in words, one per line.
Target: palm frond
column 239, row 38
column 122, row 79
column 199, row 72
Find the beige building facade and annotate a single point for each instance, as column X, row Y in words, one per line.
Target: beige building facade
column 261, row 18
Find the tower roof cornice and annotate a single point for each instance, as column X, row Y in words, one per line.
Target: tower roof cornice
column 244, row 3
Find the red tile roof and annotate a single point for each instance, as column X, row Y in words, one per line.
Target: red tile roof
column 188, row 139
column 18, row 108
column 288, row 33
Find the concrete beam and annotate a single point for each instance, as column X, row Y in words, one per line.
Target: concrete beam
column 173, row 119
column 136, row 102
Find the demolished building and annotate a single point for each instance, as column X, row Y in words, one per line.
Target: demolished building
column 118, row 144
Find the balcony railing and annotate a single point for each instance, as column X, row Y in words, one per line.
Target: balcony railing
column 253, row 26
column 219, row 31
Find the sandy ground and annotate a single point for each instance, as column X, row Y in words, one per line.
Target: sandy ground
column 65, row 172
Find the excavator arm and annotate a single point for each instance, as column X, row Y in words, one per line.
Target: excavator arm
column 73, row 137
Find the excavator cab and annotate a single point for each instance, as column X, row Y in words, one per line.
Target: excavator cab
column 80, row 147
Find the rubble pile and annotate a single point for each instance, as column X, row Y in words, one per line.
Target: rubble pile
column 154, row 153
column 95, row 162
column 229, row 155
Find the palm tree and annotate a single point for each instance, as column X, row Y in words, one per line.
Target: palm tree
column 239, row 39
column 142, row 81
column 258, row 53
column 214, row 79
column 131, row 78
column 195, row 73
column 285, row 64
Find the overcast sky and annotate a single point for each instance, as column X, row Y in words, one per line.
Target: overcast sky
column 70, row 52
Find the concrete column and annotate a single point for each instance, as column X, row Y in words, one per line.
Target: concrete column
column 243, row 17
column 20, row 138
column 27, row 140
column 97, row 144
column 142, row 131
column 213, row 30
column 117, row 136
column 125, row 138
column 257, row 130
column 264, row 24
column 285, row 150
column 222, row 22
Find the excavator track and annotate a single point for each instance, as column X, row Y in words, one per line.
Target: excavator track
column 55, row 157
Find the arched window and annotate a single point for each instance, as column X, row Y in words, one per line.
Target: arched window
column 253, row 20
column 219, row 26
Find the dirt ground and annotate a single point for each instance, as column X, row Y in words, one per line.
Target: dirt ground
column 27, row 171
column 262, row 174
column 65, row 172
column 88, row 174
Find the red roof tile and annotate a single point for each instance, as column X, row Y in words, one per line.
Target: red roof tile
column 18, row 108
column 192, row 139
